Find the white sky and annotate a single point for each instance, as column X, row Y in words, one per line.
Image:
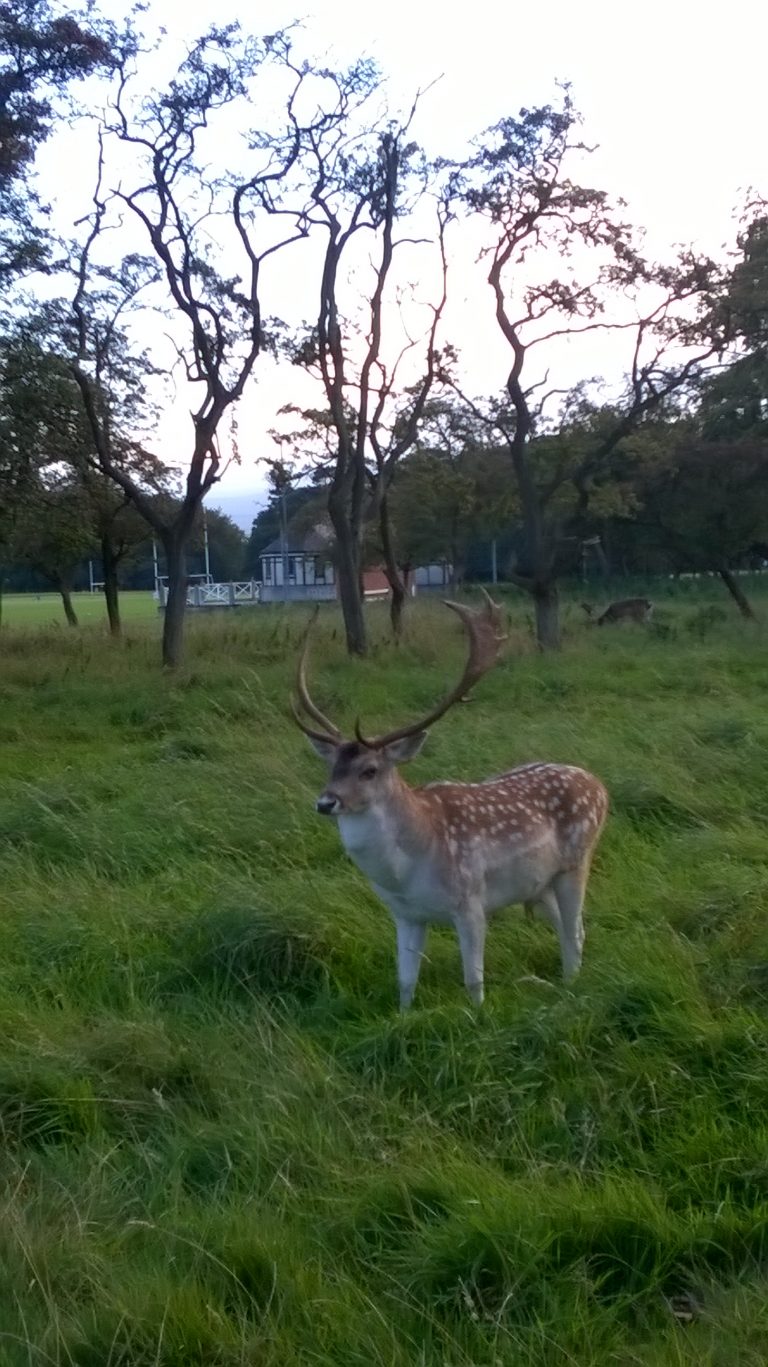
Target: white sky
column 672, row 91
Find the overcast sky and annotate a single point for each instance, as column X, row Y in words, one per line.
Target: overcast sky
column 673, row 93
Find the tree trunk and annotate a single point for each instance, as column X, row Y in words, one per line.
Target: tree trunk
column 458, row 571
column 602, row 560
column 111, row 597
column 175, row 544
column 351, row 598
column 349, row 580
column 65, row 589
column 540, row 580
column 546, row 603
column 397, row 606
column 738, row 595
column 395, row 578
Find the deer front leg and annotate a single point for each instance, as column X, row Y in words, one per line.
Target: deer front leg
column 470, row 928
column 411, row 936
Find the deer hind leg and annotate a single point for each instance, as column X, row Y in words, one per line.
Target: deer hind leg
column 411, row 936
column 471, row 928
column 545, row 908
column 569, row 889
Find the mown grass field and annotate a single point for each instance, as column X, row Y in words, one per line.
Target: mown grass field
column 45, row 609
column 221, row 1144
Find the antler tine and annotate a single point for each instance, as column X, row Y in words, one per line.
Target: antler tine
column 485, row 632
column 330, row 732
column 370, row 744
column 308, row 731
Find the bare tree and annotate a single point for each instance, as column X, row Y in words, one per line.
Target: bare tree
column 368, row 180
column 183, row 195
column 393, row 434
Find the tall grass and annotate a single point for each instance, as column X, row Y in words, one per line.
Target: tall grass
column 222, row 1145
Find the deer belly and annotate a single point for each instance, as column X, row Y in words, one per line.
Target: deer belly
column 428, row 898
column 522, row 879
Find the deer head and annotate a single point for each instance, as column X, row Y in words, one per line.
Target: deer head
column 363, row 770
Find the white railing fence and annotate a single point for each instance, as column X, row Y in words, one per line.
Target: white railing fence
column 215, row 595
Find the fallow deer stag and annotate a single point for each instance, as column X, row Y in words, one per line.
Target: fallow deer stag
column 623, row 610
column 454, row 853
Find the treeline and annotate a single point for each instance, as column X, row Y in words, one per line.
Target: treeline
column 687, row 492
column 319, row 198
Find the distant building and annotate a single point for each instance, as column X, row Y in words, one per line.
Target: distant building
column 302, row 570
column 437, row 576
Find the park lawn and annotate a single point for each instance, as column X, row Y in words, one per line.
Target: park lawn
column 45, row 609
column 223, row 1145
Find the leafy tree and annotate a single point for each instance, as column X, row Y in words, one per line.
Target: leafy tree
column 709, row 505
column 54, row 533
column 118, row 527
column 434, row 510
column 43, row 441
column 267, row 523
column 451, row 491
column 519, row 182
column 25, row 425
column 734, row 402
column 747, row 296
column 226, row 544
column 704, row 496
column 44, row 435
column 43, row 50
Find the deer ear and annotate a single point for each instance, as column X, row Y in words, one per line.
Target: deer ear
column 402, row 750
column 324, row 748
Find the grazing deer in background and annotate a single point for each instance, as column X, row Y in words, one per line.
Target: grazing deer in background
column 454, row 853
column 625, row 609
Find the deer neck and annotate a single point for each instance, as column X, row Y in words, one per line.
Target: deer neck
column 390, row 838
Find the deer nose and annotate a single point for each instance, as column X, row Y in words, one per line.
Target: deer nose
column 327, row 804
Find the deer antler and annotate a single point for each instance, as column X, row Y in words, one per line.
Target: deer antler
column 329, row 732
column 485, row 632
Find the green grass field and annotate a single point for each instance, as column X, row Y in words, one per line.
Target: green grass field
column 44, row 609
column 221, row 1144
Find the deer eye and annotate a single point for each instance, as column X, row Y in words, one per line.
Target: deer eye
column 370, row 772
